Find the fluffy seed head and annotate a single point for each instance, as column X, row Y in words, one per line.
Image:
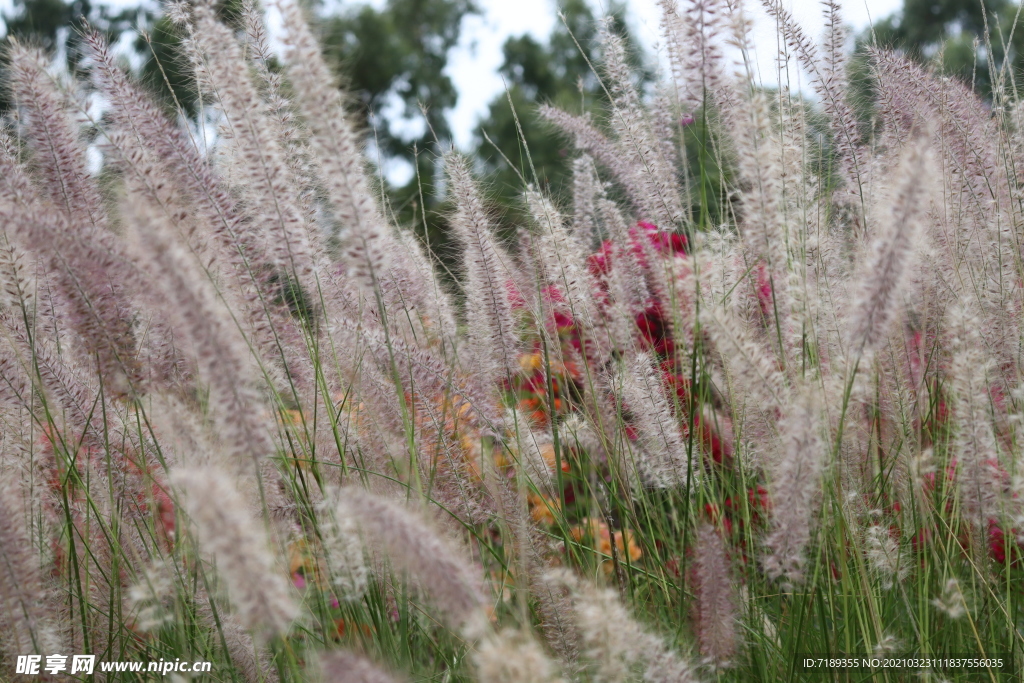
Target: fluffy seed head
column 717, row 635
column 414, row 548
column 239, row 548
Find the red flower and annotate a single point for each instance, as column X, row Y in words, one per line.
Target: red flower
column 997, row 545
column 759, row 498
column 654, row 332
column 515, row 297
column 668, row 243
column 165, row 513
column 676, row 383
column 600, row 262
column 720, row 450
column 764, row 290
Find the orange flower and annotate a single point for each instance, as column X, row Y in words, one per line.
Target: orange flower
column 301, row 562
column 603, row 537
column 501, row 583
column 501, row 458
column 292, row 417
column 529, row 404
column 472, row 452
column 341, row 626
column 626, row 545
column 590, row 527
column 547, row 451
column 542, row 508
column 572, row 371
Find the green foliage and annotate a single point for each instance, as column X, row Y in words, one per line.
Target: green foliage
column 44, row 20
column 165, row 68
column 102, row 482
column 57, row 25
column 394, row 59
column 561, row 73
column 971, row 40
column 400, row 51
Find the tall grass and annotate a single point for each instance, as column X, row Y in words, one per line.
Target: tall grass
column 708, row 415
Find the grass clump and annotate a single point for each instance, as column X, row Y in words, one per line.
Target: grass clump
column 245, row 422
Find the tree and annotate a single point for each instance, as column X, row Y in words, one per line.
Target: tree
column 392, row 60
column 398, row 55
column 560, row 73
column 395, row 59
column 953, row 32
column 57, row 26
column 394, row 55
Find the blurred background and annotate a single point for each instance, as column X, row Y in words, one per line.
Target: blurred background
column 427, row 74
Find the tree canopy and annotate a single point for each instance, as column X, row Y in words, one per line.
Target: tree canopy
column 970, row 39
column 392, row 60
column 514, row 143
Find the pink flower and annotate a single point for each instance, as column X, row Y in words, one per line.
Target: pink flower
column 515, row 297
column 600, row 262
column 552, row 294
column 667, row 243
column 764, row 290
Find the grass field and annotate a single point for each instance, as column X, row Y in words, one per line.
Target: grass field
column 744, row 405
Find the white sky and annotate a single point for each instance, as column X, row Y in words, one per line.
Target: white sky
column 474, row 63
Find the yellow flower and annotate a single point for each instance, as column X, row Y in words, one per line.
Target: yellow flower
column 530, row 362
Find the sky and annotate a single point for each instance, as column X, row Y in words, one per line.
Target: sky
column 474, row 62
column 473, row 65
